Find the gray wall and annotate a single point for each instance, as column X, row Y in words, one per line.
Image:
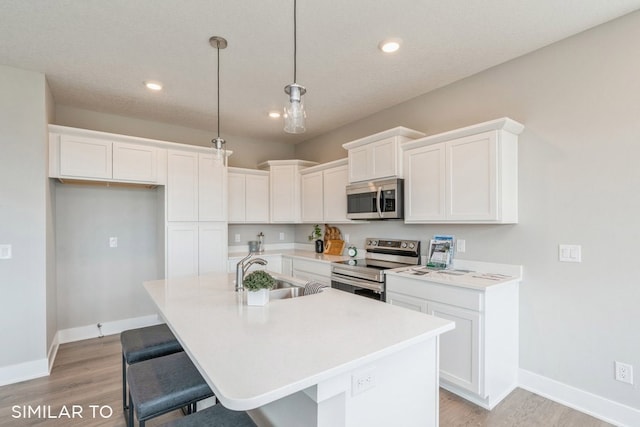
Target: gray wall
column 97, row 283
column 247, row 152
column 580, row 104
column 50, row 193
column 271, row 233
column 23, row 216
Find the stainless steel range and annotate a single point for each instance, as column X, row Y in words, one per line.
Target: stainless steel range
column 365, row 276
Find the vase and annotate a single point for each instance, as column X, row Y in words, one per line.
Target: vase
column 259, row 297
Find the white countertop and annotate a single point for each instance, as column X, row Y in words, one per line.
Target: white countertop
column 464, row 274
column 251, row 356
column 293, row 253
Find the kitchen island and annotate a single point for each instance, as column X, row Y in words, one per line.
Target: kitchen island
column 328, row 359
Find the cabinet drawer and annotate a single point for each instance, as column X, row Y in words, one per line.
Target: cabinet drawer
column 446, row 294
column 315, row 267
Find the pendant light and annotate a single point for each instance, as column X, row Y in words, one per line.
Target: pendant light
column 294, row 113
column 218, row 142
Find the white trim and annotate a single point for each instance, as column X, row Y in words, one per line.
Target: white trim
column 583, row 401
column 53, row 351
column 108, row 328
column 23, row 371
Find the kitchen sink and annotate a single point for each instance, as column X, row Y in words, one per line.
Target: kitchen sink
column 284, row 290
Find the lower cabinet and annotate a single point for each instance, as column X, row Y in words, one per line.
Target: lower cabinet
column 274, row 263
column 479, row 358
column 318, row 271
column 196, row 248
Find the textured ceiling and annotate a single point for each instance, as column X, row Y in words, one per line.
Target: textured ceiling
column 97, row 53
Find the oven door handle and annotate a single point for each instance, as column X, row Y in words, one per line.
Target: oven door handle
column 379, row 201
column 357, row 283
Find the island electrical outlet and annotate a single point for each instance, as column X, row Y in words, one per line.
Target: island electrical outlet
column 362, row 381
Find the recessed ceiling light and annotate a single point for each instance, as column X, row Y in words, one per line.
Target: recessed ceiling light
column 389, row 46
column 274, row 114
column 153, row 85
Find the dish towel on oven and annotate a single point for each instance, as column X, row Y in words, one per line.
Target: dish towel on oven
column 313, row 287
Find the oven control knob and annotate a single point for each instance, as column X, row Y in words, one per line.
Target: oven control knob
column 404, row 245
column 412, row 245
column 374, row 243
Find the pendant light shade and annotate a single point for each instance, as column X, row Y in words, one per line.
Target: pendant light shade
column 218, row 142
column 294, row 113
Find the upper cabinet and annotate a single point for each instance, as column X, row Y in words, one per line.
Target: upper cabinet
column 196, row 187
column 468, row 175
column 378, row 156
column 284, row 189
column 97, row 156
column 323, row 192
column 248, row 196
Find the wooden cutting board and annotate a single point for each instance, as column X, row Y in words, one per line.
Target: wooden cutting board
column 334, row 247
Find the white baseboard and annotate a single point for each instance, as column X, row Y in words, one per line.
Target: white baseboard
column 583, row 401
column 107, row 328
column 24, row 371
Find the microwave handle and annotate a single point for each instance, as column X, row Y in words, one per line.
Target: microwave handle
column 379, row 201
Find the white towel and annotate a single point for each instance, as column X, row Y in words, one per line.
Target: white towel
column 314, row 287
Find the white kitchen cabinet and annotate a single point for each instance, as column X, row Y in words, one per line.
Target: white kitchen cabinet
column 82, row 157
column 248, row 196
column 311, row 270
column 479, row 358
column 212, row 188
column 135, row 162
column 182, row 186
column 378, row 156
column 468, row 175
column 195, row 248
column 323, row 193
column 274, row 263
column 284, row 189
column 78, row 154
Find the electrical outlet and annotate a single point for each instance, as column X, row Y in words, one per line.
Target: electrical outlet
column 281, row 236
column 347, row 237
column 362, row 381
column 570, row 253
column 113, row 242
column 624, row 372
column 5, row 252
column 237, row 238
column 461, row 245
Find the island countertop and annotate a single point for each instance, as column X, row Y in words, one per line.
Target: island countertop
column 251, row 356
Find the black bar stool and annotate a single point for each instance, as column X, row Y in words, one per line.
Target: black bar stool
column 164, row 384
column 214, row 416
column 144, row 344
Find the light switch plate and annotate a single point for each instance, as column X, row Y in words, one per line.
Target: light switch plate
column 570, row 253
column 5, row 252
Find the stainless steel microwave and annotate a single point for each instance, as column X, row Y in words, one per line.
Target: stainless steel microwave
column 376, row 199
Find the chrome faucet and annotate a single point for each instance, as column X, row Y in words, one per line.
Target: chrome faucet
column 242, row 266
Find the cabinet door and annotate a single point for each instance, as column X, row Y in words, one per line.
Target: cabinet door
column 312, row 197
column 182, row 250
column 471, row 177
column 256, row 199
column 335, row 181
column 460, row 348
column 406, row 301
column 384, row 158
column 287, row 266
column 424, row 186
column 212, row 188
column 212, row 247
column 85, row 157
column 284, row 186
column 236, row 197
column 359, row 164
column 133, row 162
column 182, row 186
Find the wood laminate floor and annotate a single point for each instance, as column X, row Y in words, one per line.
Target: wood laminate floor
column 87, row 374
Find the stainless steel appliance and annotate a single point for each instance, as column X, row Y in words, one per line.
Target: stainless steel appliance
column 366, row 276
column 376, row 199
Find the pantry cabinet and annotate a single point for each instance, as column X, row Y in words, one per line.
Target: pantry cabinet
column 378, row 156
column 284, row 189
column 323, row 195
column 248, row 196
column 195, row 248
column 469, row 175
column 479, row 358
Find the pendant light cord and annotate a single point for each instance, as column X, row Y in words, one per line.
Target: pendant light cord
column 218, row 88
column 295, row 38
